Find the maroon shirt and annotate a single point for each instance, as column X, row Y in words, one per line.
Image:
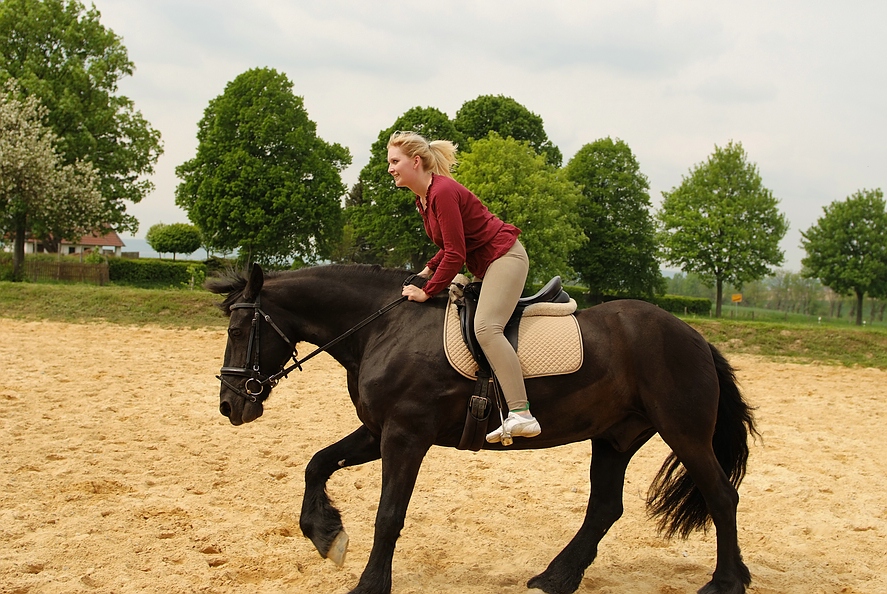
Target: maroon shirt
column 465, row 231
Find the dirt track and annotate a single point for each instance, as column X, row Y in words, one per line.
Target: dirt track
column 119, row 475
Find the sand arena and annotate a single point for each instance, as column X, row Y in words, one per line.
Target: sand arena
column 119, row 475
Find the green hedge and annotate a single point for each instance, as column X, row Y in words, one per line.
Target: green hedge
column 676, row 304
column 5, row 266
column 155, row 273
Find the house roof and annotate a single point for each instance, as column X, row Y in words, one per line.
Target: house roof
column 109, row 239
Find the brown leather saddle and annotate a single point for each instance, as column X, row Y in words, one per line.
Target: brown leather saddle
column 481, row 403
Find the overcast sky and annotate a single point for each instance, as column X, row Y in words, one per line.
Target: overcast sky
column 800, row 84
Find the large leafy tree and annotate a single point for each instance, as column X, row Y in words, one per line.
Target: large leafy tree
column 847, row 247
column 40, row 195
column 722, row 223
column 620, row 256
column 384, row 227
column 508, row 118
column 60, row 53
column 262, row 180
column 520, row 187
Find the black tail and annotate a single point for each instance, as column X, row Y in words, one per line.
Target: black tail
column 673, row 496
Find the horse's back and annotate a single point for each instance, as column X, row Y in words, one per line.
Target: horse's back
column 642, row 337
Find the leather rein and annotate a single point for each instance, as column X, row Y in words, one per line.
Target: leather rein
column 256, row 380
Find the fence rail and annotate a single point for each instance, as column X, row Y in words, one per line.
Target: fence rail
column 68, row 272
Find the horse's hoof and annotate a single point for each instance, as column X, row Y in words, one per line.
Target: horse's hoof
column 337, row 551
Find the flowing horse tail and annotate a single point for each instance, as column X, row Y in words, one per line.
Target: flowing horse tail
column 673, row 497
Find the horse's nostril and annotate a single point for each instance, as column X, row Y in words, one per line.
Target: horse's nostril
column 225, row 409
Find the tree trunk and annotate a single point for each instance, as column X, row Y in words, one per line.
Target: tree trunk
column 859, row 296
column 720, row 294
column 18, row 251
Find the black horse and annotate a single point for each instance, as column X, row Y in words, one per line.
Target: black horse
column 644, row 372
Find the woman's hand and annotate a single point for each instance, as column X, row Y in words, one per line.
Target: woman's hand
column 414, row 293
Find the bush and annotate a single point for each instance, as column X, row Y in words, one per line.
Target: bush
column 679, row 304
column 154, row 273
column 215, row 265
column 5, row 266
column 676, row 304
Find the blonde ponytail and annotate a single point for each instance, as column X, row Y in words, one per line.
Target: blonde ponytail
column 438, row 156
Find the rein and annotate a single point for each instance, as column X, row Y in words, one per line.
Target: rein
column 256, row 380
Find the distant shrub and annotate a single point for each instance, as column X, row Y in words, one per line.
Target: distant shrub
column 5, row 266
column 679, row 304
column 676, row 304
column 154, row 273
column 215, row 264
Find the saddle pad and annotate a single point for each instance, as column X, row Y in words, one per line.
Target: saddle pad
column 548, row 345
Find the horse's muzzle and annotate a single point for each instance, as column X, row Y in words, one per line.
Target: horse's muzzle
column 249, row 411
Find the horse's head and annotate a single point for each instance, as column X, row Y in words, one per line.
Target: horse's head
column 256, row 350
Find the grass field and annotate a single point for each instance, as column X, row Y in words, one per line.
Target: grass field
column 78, row 303
column 805, row 340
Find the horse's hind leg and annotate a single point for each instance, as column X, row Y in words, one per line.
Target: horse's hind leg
column 320, row 521
column 564, row 573
column 721, row 499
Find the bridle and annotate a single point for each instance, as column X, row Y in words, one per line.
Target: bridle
column 256, row 381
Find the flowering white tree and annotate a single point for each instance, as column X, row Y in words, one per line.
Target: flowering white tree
column 38, row 193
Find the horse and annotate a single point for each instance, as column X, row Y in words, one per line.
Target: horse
column 644, row 372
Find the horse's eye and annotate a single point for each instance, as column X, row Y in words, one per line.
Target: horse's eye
column 234, row 332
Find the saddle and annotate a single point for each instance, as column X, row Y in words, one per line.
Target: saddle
column 466, row 296
column 552, row 292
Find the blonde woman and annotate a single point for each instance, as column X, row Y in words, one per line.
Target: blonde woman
column 468, row 233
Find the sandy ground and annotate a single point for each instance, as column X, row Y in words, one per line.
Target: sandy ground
column 119, row 475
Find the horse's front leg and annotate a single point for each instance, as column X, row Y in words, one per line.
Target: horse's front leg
column 402, row 453
column 320, row 521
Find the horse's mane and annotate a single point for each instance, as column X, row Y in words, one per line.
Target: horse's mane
column 232, row 282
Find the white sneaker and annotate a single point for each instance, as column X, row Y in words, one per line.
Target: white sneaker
column 515, row 425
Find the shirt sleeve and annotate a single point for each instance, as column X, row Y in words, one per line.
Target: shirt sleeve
column 449, row 217
column 434, row 262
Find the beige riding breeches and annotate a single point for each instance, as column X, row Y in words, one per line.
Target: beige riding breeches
column 502, row 286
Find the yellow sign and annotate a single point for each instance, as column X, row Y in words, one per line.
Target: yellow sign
column 736, row 298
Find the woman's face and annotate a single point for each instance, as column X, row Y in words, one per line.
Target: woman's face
column 403, row 169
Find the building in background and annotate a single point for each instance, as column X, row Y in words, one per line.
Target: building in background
column 108, row 244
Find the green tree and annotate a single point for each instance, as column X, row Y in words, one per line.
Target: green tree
column 385, row 228
column 847, row 247
column 508, row 118
column 519, row 186
column 39, row 194
column 177, row 238
column 722, row 223
column 262, row 180
column 60, row 53
column 620, row 256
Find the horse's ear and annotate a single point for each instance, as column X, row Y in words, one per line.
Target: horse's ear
column 254, row 284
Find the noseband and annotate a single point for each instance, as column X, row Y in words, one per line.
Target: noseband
column 256, row 381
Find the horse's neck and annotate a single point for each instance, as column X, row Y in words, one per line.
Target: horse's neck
column 326, row 309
